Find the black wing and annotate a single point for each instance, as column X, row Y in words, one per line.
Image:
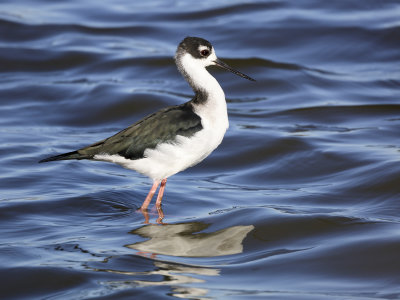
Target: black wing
column 160, row 127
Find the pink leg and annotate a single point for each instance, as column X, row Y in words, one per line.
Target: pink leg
column 160, row 215
column 150, row 195
column 161, row 192
column 145, row 214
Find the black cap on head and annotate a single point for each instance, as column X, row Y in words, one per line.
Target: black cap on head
column 191, row 45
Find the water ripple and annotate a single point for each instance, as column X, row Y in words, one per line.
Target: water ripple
column 300, row 201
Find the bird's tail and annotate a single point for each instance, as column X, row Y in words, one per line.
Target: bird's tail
column 65, row 156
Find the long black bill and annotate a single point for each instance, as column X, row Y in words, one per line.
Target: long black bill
column 226, row 67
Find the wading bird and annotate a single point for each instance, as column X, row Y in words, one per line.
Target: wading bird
column 174, row 138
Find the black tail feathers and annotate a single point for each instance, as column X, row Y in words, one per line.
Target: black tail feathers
column 65, row 156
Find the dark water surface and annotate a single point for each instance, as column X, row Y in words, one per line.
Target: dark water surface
column 300, row 201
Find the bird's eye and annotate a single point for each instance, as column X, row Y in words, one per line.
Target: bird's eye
column 205, row 52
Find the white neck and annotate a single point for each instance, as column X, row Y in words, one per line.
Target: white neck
column 213, row 110
column 199, row 78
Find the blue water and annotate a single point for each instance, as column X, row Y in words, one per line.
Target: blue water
column 300, row 201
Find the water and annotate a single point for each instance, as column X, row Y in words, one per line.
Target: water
column 300, row 201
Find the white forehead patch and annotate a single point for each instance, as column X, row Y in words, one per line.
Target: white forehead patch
column 201, row 48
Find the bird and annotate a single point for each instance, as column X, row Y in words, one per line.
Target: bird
column 173, row 138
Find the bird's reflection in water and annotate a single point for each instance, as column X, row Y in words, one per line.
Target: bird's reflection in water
column 177, row 240
column 187, row 240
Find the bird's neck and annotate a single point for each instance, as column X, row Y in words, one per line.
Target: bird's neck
column 202, row 82
column 209, row 102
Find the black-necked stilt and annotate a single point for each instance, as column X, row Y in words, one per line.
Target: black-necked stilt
column 174, row 138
